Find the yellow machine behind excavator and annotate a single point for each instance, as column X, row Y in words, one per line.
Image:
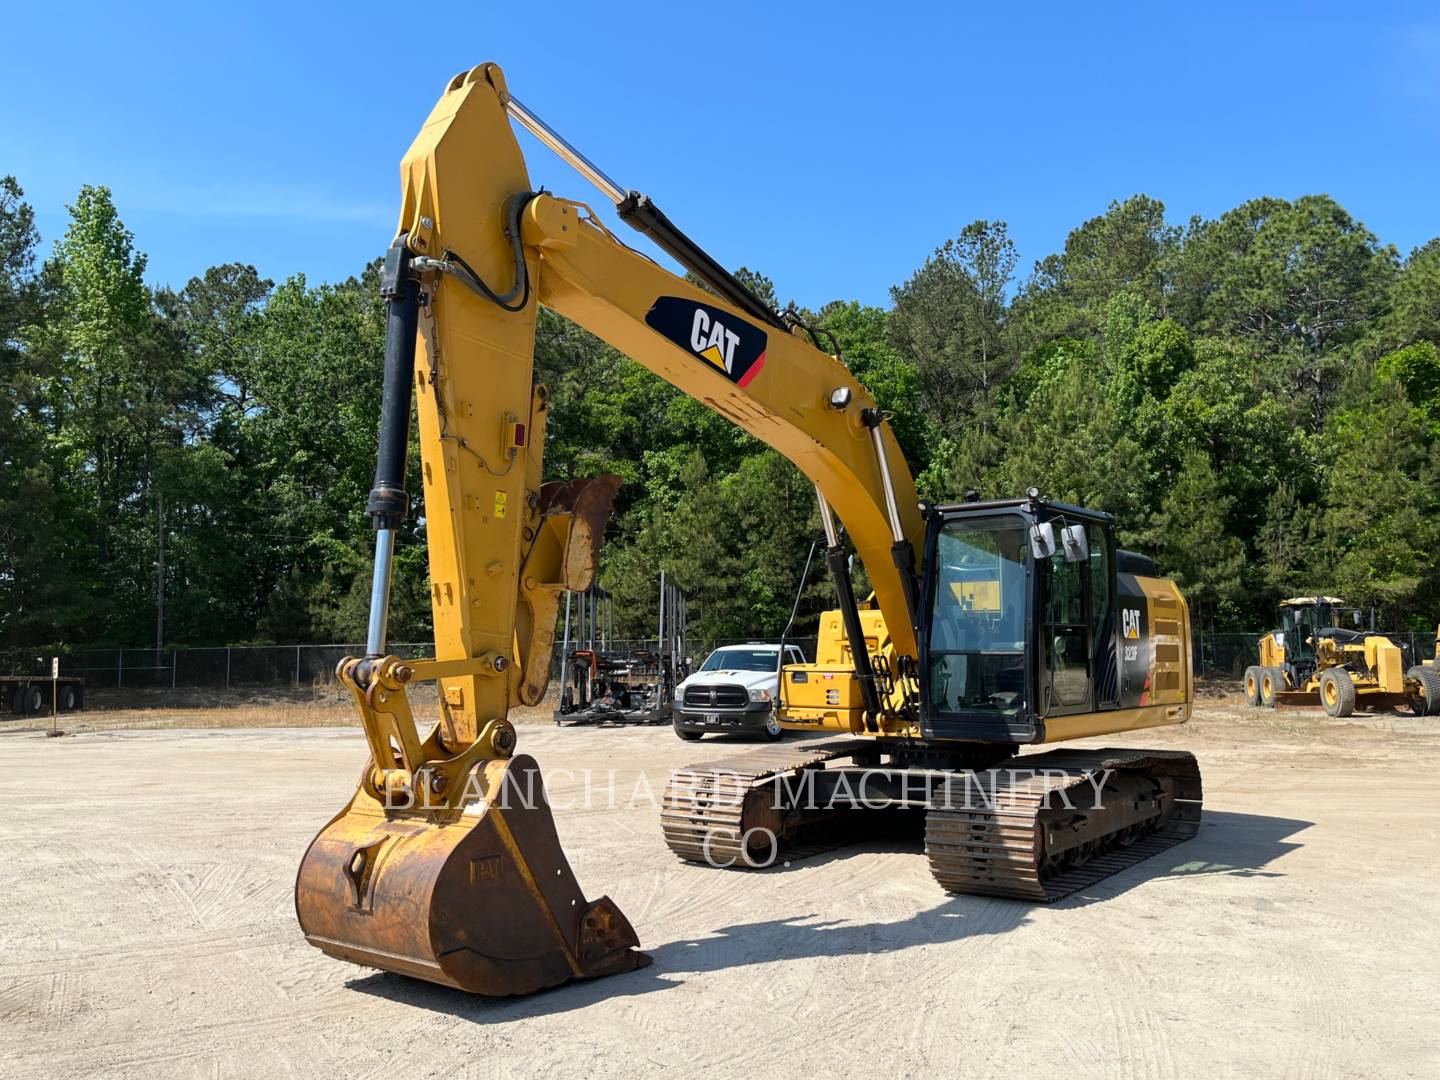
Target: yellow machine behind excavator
column 993, row 625
column 1314, row 658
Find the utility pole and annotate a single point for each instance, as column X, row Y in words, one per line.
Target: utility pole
column 160, row 580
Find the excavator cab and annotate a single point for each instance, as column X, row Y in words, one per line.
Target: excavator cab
column 1032, row 621
column 1034, row 617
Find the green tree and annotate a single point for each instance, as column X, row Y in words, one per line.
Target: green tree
column 948, row 321
column 1068, row 442
column 1143, row 356
column 1415, row 298
column 1127, row 249
column 1287, row 548
column 121, row 395
column 27, row 542
column 1298, row 282
column 863, row 333
column 1380, row 522
column 1123, row 250
column 1220, row 409
column 1191, row 542
column 98, row 311
column 1416, row 367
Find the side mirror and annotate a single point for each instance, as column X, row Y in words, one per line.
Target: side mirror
column 1077, row 544
column 1042, row 540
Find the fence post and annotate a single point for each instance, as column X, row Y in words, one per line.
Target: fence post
column 297, row 667
column 119, row 668
column 227, row 667
column 174, row 655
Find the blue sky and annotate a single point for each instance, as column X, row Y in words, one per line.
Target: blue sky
column 830, row 145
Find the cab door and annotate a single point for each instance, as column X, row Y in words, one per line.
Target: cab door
column 1065, row 636
column 1079, row 661
column 1104, row 631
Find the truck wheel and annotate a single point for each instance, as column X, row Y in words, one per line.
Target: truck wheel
column 1427, row 701
column 773, row 731
column 69, row 699
column 1272, row 681
column 1337, row 692
column 1252, row 685
column 688, row 736
column 34, row 700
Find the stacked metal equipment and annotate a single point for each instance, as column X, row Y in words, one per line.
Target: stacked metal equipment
column 600, row 682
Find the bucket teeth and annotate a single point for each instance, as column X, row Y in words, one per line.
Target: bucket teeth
column 482, row 900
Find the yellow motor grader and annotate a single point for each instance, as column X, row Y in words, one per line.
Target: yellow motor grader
column 1314, row 659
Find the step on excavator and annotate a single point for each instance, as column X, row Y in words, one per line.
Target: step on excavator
column 993, row 626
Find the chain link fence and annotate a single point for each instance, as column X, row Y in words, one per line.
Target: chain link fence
column 295, row 666
column 255, row 666
column 230, row 667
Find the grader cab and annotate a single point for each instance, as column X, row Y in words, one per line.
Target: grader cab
column 1322, row 655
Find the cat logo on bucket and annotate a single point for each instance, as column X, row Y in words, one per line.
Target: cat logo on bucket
column 725, row 341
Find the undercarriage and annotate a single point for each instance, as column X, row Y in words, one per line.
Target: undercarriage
column 1032, row 826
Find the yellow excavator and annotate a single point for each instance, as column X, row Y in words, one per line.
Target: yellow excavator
column 992, row 625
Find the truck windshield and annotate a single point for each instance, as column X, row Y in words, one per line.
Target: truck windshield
column 977, row 626
column 740, row 660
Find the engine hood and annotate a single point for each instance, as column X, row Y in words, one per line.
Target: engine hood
column 765, row 680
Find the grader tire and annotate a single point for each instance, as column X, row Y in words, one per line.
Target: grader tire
column 1252, row 685
column 1427, row 701
column 1272, row 681
column 1337, row 692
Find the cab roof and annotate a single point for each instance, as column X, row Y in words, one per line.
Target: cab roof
column 1030, row 504
column 1306, row 601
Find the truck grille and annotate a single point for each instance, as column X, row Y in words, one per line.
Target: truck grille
column 717, row 697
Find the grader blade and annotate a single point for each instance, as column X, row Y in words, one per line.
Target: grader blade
column 481, row 899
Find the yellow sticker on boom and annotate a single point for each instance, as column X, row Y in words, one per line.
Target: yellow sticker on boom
column 502, row 500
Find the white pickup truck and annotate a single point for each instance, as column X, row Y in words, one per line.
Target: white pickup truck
column 733, row 691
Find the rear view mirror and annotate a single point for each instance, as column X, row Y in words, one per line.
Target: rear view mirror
column 1077, row 544
column 1042, row 540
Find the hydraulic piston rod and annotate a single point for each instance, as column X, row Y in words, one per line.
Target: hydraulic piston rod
column 901, row 551
column 388, row 502
column 839, row 564
column 641, row 214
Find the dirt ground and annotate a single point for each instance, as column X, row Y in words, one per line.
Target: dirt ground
column 147, row 927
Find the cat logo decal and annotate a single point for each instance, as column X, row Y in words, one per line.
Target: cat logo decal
column 725, row 341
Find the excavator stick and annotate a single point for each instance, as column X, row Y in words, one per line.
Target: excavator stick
column 446, row 865
column 482, row 900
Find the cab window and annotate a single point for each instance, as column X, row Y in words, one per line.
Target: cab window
column 977, row 620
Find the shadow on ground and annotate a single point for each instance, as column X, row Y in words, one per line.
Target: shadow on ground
column 1235, row 845
column 1240, row 845
column 795, row 937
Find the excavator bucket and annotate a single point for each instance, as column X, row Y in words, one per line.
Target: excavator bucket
column 480, row 898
